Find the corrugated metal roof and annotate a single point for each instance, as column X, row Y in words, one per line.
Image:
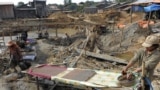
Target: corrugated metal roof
column 156, row 1
column 39, row 0
column 25, row 8
column 112, row 5
column 145, row 1
column 91, row 7
column 6, row 3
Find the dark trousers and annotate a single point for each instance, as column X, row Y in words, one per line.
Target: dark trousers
column 147, row 87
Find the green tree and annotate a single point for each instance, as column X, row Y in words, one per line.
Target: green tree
column 82, row 5
column 72, row 6
column 20, row 3
column 60, row 7
column 118, row 1
column 67, row 2
column 89, row 3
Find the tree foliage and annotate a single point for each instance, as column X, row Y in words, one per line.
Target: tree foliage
column 77, row 7
column 61, row 6
column 67, row 2
column 89, row 3
column 121, row 1
column 72, row 6
column 82, row 5
column 20, row 3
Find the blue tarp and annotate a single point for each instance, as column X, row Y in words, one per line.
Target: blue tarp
column 152, row 7
column 137, row 9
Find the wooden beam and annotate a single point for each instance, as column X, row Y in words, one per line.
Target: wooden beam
column 46, row 24
column 104, row 57
column 75, row 18
column 91, row 22
column 131, row 12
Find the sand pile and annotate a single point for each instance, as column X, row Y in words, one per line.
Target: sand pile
column 121, row 41
column 60, row 17
column 126, row 18
column 84, row 62
column 119, row 17
column 95, row 18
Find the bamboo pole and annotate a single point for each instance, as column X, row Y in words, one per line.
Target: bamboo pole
column 143, row 75
column 3, row 37
column 113, row 34
column 131, row 12
column 83, row 51
column 121, row 37
column 149, row 18
column 113, row 27
column 10, row 35
column 56, row 32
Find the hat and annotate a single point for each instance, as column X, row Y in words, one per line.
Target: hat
column 150, row 40
column 10, row 43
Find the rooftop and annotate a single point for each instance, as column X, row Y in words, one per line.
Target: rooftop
column 6, row 3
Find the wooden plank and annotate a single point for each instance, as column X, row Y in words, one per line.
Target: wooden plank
column 81, row 53
column 44, row 24
column 91, row 22
column 104, row 57
column 69, row 16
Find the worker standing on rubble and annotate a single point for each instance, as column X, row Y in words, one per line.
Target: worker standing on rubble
column 150, row 55
column 24, row 36
column 40, row 34
column 15, row 54
column 46, row 34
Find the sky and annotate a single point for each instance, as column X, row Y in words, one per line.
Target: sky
column 48, row 1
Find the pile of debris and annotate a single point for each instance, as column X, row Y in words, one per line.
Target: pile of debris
column 113, row 43
column 60, row 17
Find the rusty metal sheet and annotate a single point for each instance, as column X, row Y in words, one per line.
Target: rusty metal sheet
column 47, row 71
column 80, row 75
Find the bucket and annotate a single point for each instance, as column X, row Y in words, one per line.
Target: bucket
column 122, row 80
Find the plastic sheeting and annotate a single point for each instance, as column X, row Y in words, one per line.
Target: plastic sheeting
column 101, row 79
column 152, row 7
column 145, row 2
column 140, row 2
column 137, row 9
column 46, row 71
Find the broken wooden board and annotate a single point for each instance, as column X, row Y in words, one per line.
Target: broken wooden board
column 69, row 16
column 104, row 57
column 91, row 22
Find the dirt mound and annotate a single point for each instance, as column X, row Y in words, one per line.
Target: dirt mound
column 119, row 17
column 126, row 18
column 84, row 62
column 60, row 17
column 102, row 18
column 95, row 18
column 122, row 40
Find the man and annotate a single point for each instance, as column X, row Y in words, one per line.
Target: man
column 15, row 54
column 40, row 35
column 24, row 36
column 46, row 34
column 150, row 55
